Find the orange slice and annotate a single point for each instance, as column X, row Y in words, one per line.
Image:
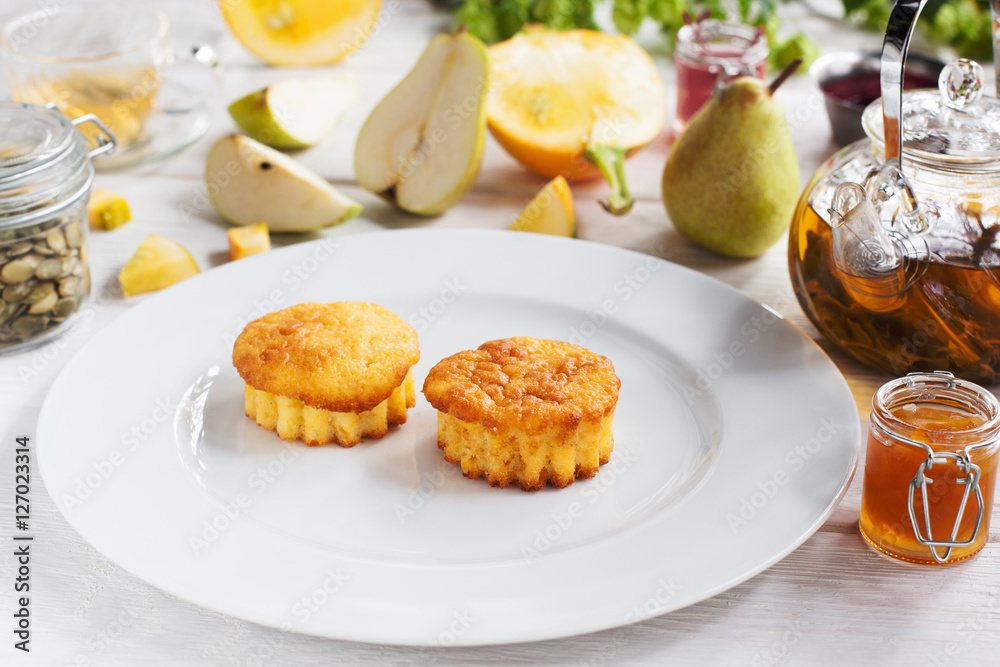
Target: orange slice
column 301, row 32
column 575, row 104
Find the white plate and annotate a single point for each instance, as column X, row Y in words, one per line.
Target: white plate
column 735, row 437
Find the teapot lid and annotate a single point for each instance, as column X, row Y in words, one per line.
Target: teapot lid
column 955, row 127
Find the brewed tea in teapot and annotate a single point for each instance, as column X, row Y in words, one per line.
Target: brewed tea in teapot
column 894, row 249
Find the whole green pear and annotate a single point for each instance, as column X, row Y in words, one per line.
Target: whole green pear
column 732, row 179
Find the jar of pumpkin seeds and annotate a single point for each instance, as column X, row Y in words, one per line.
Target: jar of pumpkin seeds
column 45, row 179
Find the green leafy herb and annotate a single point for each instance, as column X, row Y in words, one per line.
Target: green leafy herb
column 496, row 20
column 628, row 15
column 965, row 25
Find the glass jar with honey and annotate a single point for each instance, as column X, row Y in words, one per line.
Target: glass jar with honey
column 930, row 468
column 894, row 248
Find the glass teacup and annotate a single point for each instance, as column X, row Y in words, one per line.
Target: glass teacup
column 106, row 59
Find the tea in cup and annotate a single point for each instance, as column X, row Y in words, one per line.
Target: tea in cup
column 106, row 59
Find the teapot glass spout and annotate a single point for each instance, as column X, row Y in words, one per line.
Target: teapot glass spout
column 870, row 264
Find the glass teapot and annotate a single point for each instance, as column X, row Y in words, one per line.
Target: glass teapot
column 894, row 249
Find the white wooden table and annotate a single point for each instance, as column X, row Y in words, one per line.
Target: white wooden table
column 831, row 602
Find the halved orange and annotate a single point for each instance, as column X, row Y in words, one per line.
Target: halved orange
column 575, row 103
column 301, row 32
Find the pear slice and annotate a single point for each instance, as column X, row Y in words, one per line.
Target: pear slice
column 297, row 113
column 422, row 145
column 157, row 263
column 550, row 212
column 249, row 182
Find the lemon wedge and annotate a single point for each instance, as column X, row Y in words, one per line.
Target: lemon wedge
column 550, row 212
column 107, row 210
column 301, row 32
column 157, row 263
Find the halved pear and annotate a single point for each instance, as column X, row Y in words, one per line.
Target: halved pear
column 550, row 212
column 422, row 145
column 249, row 182
column 297, row 113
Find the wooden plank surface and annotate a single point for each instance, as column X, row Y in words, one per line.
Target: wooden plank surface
column 831, row 602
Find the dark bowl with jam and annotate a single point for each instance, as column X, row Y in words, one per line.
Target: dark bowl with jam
column 850, row 82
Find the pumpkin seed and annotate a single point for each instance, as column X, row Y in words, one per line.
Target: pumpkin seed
column 65, row 307
column 40, row 292
column 49, row 269
column 20, row 269
column 18, row 291
column 69, row 286
column 21, row 249
column 27, row 325
column 74, row 235
column 56, row 240
column 45, row 304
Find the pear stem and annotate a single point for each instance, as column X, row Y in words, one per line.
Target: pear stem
column 784, row 74
column 611, row 161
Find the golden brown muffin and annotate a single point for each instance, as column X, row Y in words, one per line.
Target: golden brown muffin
column 525, row 411
column 330, row 372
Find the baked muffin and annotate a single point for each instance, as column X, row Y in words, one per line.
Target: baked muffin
column 324, row 373
column 525, row 411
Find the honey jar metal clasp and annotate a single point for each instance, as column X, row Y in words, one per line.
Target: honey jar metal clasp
column 970, row 482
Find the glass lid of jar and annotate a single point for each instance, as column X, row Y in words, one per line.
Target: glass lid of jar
column 31, row 136
column 955, row 127
column 41, row 155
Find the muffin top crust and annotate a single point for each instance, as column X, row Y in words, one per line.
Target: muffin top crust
column 343, row 357
column 524, row 383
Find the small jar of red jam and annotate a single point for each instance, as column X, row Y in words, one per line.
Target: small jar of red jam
column 709, row 52
column 930, row 468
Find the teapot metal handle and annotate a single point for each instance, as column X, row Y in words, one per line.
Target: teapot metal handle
column 995, row 27
column 902, row 21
